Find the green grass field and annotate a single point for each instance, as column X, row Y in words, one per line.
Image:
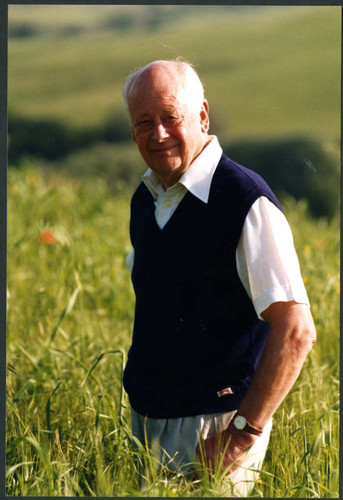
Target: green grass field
column 268, row 71
column 70, row 312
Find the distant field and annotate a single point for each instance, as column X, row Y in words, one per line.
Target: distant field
column 267, row 71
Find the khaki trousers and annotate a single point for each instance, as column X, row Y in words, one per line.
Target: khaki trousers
column 175, row 440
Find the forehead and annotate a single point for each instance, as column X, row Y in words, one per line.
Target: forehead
column 156, row 104
column 157, row 89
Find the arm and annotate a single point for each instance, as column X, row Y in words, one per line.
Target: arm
column 290, row 340
column 268, row 267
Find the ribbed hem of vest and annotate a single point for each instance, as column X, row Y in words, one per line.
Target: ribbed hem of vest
column 224, row 404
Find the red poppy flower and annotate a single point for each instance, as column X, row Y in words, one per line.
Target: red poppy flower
column 46, row 237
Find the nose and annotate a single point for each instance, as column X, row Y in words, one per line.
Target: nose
column 159, row 133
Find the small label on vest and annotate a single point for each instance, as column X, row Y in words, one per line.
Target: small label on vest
column 224, row 392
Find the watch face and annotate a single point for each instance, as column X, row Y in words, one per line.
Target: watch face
column 240, row 422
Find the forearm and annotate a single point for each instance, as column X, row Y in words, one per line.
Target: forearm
column 285, row 351
column 273, row 379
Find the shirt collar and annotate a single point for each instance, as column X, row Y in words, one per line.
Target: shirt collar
column 197, row 178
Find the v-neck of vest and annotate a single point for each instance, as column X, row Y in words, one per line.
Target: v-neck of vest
column 187, row 197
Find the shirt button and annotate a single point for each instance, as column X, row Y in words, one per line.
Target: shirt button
column 167, row 203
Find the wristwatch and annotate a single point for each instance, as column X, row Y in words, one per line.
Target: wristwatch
column 241, row 423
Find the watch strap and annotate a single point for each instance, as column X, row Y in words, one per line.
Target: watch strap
column 252, row 430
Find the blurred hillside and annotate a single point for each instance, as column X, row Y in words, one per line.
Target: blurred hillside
column 270, row 73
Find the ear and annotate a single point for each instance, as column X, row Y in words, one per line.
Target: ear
column 133, row 135
column 204, row 117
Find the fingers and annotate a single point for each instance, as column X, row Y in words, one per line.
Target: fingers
column 214, row 454
column 221, row 453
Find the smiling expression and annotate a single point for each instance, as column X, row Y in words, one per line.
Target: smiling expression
column 170, row 131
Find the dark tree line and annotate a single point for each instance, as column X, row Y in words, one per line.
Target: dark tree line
column 300, row 167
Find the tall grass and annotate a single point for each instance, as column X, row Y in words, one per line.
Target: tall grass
column 70, row 312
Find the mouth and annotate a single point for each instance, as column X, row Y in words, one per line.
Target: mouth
column 164, row 150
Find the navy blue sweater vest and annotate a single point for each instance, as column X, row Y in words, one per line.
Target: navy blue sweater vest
column 195, row 330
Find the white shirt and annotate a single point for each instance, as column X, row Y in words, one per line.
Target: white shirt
column 266, row 259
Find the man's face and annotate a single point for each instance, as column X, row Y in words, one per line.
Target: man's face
column 168, row 133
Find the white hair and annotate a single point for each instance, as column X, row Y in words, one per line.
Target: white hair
column 193, row 83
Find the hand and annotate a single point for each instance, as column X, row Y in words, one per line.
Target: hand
column 225, row 449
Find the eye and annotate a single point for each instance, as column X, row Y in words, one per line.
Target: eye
column 171, row 119
column 144, row 123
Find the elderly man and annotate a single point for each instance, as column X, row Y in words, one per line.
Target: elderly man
column 222, row 320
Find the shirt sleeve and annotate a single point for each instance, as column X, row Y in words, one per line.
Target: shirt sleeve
column 129, row 259
column 266, row 259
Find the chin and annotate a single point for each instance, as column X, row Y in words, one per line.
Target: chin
column 166, row 167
